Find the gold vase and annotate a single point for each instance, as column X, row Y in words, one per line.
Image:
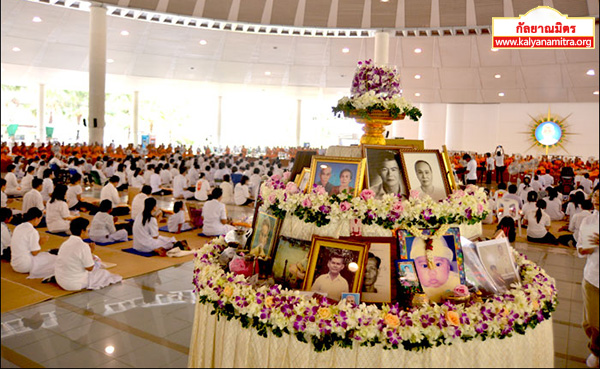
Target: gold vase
column 374, row 126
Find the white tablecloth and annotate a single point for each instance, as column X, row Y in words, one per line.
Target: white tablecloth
column 222, row 343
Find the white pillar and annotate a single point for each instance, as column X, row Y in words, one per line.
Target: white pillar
column 97, row 73
column 298, row 122
column 382, row 48
column 41, row 103
column 219, row 117
column 454, row 126
column 136, row 105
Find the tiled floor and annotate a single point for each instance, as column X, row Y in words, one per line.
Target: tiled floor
column 146, row 321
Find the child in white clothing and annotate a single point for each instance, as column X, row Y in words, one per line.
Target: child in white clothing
column 176, row 222
column 103, row 225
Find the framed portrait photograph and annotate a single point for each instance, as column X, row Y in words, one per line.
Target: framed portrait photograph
column 407, row 275
column 302, row 179
column 384, row 172
column 337, row 174
column 335, row 266
column 447, row 270
column 290, row 262
column 378, row 282
column 496, row 257
column 351, row 298
column 424, row 171
column 264, row 235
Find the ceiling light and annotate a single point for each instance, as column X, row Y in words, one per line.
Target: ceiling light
column 596, row 92
column 124, row 33
column 16, row 49
column 494, row 49
column 500, row 94
column 418, row 50
column 203, row 42
column 385, row 1
column 36, row 19
column 417, row 94
column 497, row 76
column 267, row 73
column 345, row 50
column 110, row 61
column 591, row 72
column 109, row 349
column 417, row 76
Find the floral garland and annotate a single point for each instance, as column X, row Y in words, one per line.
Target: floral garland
column 277, row 311
column 375, row 88
column 429, row 241
column 391, row 211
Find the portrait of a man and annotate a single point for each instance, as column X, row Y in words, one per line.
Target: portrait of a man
column 337, row 175
column 324, row 177
column 332, row 282
column 378, row 275
column 264, row 236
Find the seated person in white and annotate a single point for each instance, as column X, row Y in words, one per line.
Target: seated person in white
column 156, row 182
column 202, row 188
column 512, row 194
column 538, row 223
column 554, row 204
column 145, row 231
column 76, row 268
column 98, row 170
column 137, row 179
column 26, row 255
column 215, row 215
column 180, row 185
column 6, row 236
column 176, row 222
column 530, row 205
column 241, row 193
column 4, row 197
column 227, row 188
column 103, row 225
column 26, row 181
column 110, row 192
column 13, row 188
column 47, row 184
column 73, row 196
column 33, row 198
column 57, row 211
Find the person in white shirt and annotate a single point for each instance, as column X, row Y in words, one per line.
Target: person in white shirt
column 99, row 173
column 547, row 179
column 12, row 184
column 202, row 188
column 332, row 282
column 3, row 196
column 33, row 198
column 180, row 185
column 512, row 194
column 47, row 184
column 538, row 223
column 165, row 175
column 122, row 185
column 193, row 173
column 148, row 173
column 26, row 242
column 103, row 228
column 73, row 196
column 530, row 205
column 537, row 184
column 5, row 218
column 145, row 232
column 554, row 205
column 76, row 267
column 241, row 193
column 109, row 192
column 137, row 180
column 586, row 183
column 155, row 183
column 524, row 188
column 26, row 181
column 254, row 182
column 500, row 167
column 214, row 212
column 176, row 222
column 227, row 188
column 490, row 166
column 587, row 247
column 57, row 211
column 39, row 172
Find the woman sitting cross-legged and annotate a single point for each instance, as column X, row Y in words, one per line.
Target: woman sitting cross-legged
column 538, row 223
column 176, row 222
column 145, row 232
column 214, row 213
column 26, row 254
column 76, row 267
column 57, row 211
column 103, row 225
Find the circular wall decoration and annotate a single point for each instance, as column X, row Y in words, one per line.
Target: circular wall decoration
column 548, row 131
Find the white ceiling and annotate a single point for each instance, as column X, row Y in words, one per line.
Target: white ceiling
column 454, row 69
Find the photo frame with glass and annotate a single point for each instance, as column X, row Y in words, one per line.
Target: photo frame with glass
column 447, row 270
column 425, row 172
column 337, row 175
column 290, row 262
column 497, row 259
column 351, row 298
column 302, row 179
column 407, row 275
column 335, row 266
column 383, row 172
column 264, row 235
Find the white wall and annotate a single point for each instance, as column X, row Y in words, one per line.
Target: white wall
column 481, row 127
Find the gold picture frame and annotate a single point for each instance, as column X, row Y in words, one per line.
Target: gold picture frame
column 415, row 166
column 302, row 179
column 344, row 259
column 264, row 235
column 383, row 161
column 339, row 169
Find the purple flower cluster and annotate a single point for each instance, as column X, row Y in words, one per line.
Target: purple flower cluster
column 369, row 77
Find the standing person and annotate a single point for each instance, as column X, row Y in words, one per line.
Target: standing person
column 538, row 223
column 500, row 167
column 145, row 232
column 26, row 242
column 587, row 247
column 241, row 193
column 176, row 222
column 471, row 173
column 103, row 225
column 76, row 267
column 490, row 166
column 57, row 211
column 214, row 213
column 332, row 282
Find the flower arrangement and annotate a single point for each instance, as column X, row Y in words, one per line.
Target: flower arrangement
column 275, row 310
column 375, row 88
column 391, row 211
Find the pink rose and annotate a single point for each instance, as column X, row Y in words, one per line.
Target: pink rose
column 292, row 188
column 414, row 194
column 272, row 198
column 306, row 202
column 479, row 208
column 275, row 177
column 367, row 194
column 286, row 176
column 398, row 207
column 345, row 206
column 461, row 290
column 319, row 190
